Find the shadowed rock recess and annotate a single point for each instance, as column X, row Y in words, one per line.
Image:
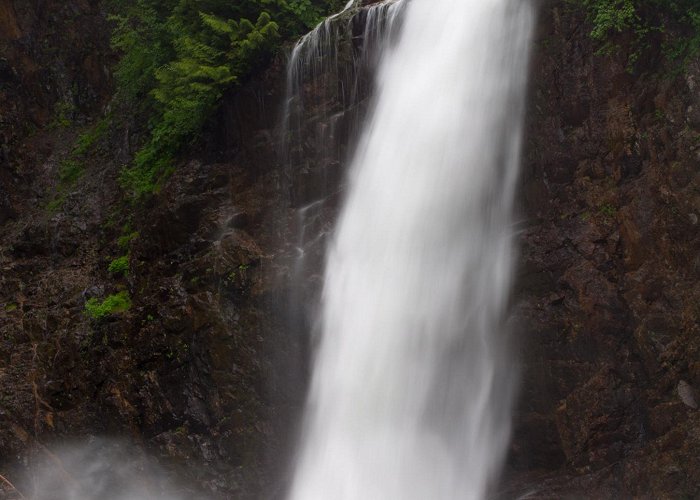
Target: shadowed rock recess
column 206, row 371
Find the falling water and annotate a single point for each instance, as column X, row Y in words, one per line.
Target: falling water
column 326, row 80
column 412, row 384
column 329, row 78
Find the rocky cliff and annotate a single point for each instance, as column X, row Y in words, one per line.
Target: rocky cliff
column 608, row 294
column 206, row 369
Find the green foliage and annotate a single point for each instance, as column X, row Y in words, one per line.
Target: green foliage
column 189, row 88
column 306, row 12
column 119, row 266
column 686, row 47
column 63, row 112
column 70, row 171
column 125, row 240
column 611, row 16
column 142, row 38
column 87, row 140
column 672, row 24
column 180, row 56
column 112, row 304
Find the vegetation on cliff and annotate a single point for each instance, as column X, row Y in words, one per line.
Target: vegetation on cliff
column 650, row 23
column 178, row 57
column 112, row 304
column 176, row 349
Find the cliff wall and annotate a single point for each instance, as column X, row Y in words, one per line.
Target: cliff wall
column 206, row 371
column 608, row 287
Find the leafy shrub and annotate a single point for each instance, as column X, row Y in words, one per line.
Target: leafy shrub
column 180, row 56
column 189, row 88
column 126, row 239
column 119, row 266
column 686, row 47
column 611, row 16
column 674, row 24
column 70, row 171
column 112, row 304
column 56, row 203
column 88, row 139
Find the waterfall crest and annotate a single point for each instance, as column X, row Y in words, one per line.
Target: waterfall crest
column 412, row 384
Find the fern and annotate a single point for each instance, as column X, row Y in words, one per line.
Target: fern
column 180, row 56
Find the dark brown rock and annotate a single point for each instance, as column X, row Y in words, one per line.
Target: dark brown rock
column 207, row 369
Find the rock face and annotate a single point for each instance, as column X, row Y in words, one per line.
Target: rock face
column 609, row 288
column 54, row 68
column 205, row 371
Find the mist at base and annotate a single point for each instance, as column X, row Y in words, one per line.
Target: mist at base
column 100, row 469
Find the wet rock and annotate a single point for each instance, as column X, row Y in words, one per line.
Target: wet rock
column 605, row 291
column 687, row 394
column 693, row 117
column 205, row 367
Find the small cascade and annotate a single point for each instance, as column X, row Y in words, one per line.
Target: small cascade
column 327, row 90
column 329, row 78
column 379, row 25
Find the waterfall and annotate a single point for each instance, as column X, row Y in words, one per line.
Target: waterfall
column 325, row 81
column 412, row 382
column 329, row 78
